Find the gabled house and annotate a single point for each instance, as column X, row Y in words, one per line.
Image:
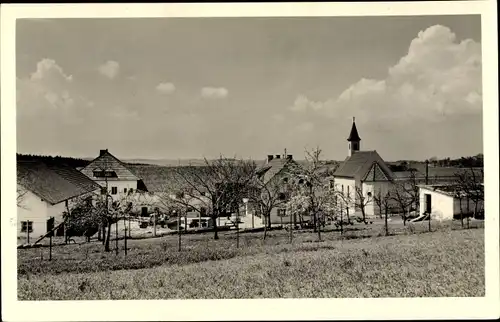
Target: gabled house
column 47, row 190
column 112, row 175
column 276, row 172
column 363, row 173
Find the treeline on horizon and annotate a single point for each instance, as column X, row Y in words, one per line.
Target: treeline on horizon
column 402, row 165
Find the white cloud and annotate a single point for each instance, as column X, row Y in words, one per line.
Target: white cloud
column 439, row 76
column 110, row 69
column 214, row 92
column 48, row 87
column 165, row 88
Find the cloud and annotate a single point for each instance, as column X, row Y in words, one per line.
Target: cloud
column 48, row 87
column 214, row 92
column 110, row 69
column 438, row 77
column 165, row 88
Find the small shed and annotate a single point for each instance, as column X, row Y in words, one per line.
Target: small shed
column 445, row 202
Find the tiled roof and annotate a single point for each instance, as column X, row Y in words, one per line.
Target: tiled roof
column 359, row 163
column 53, row 182
column 273, row 167
column 107, row 161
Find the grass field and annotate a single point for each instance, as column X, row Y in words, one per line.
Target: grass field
column 442, row 263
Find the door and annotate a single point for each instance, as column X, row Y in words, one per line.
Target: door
column 428, row 203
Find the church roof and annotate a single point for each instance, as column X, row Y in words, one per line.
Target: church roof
column 354, row 136
column 360, row 163
column 107, row 161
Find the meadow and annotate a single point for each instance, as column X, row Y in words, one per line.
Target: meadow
column 363, row 263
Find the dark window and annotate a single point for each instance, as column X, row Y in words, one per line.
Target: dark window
column 369, row 194
column 144, row 211
column 125, row 190
column 282, row 212
column 331, row 184
column 285, row 180
column 282, row 196
column 301, row 181
column 104, row 191
column 114, row 190
column 26, row 225
column 131, row 190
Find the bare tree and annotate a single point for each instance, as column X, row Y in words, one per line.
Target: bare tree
column 383, row 202
column 361, row 201
column 406, row 194
column 470, row 186
column 267, row 196
column 219, row 185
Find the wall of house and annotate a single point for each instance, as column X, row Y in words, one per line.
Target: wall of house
column 121, row 185
column 32, row 208
column 346, row 182
column 382, row 187
column 442, row 206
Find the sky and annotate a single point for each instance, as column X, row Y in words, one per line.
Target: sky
column 177, row 88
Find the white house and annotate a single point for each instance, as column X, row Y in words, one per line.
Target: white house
column 363, row 173
column 443, row 202
column 112, row 175
column 46, row 190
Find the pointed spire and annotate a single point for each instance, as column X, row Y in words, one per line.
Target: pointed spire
column 354, row 136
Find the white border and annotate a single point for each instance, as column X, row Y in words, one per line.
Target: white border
column 423, row 308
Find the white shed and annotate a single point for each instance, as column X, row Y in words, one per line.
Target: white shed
column 443, row 202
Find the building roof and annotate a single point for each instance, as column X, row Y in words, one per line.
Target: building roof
column 354, row 136
column 451, row 190
column 107, row 161
column 273, row 167
column 53, row 182
column 360, row 163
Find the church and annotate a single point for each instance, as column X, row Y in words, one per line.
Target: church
column 361, row 176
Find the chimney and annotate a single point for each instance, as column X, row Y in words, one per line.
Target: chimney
column 269, row 157
column 278, row 156
column 289, row 157
column 102, row 152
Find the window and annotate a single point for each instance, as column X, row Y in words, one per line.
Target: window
column 104, row 191
column 369, row 194
column 282, row 196
column 281, row 212
column 114, row 190
column 348, row 190
column 331, row 184
column 104, row 174
column 125, row 190
column 26, row 225
column 285, row 180
column 131, row 190
column 301, row 181
column 342, row 189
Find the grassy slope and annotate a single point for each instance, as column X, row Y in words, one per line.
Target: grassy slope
column 445, row 263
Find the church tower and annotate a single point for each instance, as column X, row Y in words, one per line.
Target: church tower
column 353, row 139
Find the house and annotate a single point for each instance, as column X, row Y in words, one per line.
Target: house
column 45, row 190
column 276, row 172
column 113, row 176
column 363, row 173
column 448, row 201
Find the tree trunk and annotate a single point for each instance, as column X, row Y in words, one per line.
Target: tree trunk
column 103, row 234
column 319, row 228
column 216, row 236
column 386, row 224
column 108, row 237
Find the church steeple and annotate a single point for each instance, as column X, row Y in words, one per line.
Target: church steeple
column 353, row 139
